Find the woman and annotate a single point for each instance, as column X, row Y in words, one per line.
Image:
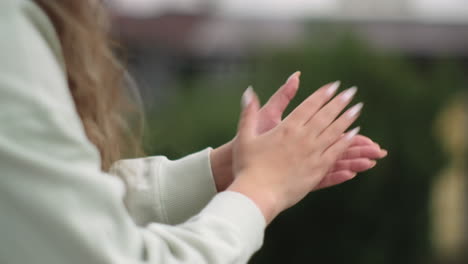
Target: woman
column 62, row 132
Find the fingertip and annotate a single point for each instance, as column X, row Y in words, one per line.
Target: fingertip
column 384, row 153
column 294, row 76
column 333, row 88
column 250, row 99
column 287, row 92
column 298, row 74
column 292, row 84
column 362, row 140
column 351, row 134
column 247, row 97
column 249, row 115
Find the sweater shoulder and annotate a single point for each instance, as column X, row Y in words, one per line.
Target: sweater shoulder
column 22, row 16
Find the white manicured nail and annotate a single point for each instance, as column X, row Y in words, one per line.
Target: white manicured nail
column 247, row 97
column 355, row 110
column 349, row 94
column 351, row 134
column 296, row 74
column 333, row 88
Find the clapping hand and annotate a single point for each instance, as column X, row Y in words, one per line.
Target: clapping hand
column 359, row 157
column 278, row 166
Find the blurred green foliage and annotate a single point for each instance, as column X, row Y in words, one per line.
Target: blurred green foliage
column 380, row 217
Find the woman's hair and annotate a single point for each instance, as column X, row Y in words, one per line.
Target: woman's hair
column 96, row 78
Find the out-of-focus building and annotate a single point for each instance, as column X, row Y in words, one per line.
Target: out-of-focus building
column 161, row 47
column 167, row 43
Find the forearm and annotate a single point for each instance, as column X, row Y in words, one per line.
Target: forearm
column 154, row 192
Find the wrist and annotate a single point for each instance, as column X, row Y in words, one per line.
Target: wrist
column 264, row 197
column 221, row 166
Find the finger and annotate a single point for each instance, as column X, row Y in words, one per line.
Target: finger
column 248, row 120
column 338, row 148
column 281, row 99
column 335, row 178
column 355, row 165
column 384, row 153
column 312, row 104
column 336, row 129
column 326, row 115
column 368, row 151
column 360, row 140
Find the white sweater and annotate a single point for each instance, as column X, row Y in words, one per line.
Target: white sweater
column 57, row 206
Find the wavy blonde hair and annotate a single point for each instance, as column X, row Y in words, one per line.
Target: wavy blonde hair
column 96, row 77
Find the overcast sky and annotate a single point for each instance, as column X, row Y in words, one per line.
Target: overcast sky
column 238, row 7
column 442, row 7
column 291, row 8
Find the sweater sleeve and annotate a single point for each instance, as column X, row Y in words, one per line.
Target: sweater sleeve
column 154, row 189
column 57, row 206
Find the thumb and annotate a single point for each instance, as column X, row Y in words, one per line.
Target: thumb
column 249, row 117
column 281, row 99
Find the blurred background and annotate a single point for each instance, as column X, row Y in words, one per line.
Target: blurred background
column 192, row 59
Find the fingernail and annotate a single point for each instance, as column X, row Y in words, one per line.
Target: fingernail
column 294, row 75
column 351, row 134
column 247, row 97
column 349, row 94
column 333, row 88
column 355, row 110
column 373, row 164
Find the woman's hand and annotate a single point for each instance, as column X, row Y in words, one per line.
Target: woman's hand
column 359, row 157
column 278, row 168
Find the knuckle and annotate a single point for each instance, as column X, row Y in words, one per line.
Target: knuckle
column 320, row 120
column 326, row 112
column 288, row 131
column 337, row 129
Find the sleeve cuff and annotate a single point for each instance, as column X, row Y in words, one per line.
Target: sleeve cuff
column 186, row 186
column 243, row 213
